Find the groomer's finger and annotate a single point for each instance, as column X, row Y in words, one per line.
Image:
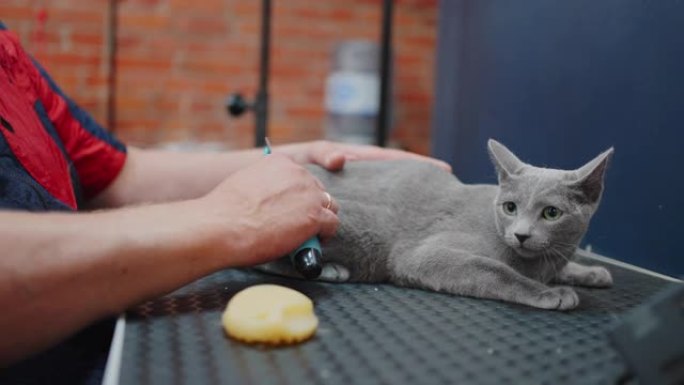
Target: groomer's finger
column 334, row 161
column 329, row 223
column 328, row 156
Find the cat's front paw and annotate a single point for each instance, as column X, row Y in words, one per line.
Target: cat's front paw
column 589, row 276
column 333, row 272
column 558, row 298
column 598, row 276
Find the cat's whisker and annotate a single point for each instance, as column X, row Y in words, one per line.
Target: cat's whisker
column 553, row 265
column 561, row 243
column 540, row 272
column 560, row 257
column 560, row 254
column 545, row 261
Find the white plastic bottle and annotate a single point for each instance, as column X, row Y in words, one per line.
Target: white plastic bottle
column 352, row 93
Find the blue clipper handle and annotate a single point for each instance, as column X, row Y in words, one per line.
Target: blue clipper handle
column 307, row 258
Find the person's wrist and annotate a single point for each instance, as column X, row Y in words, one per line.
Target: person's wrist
column 178, row 233
column 224, row 238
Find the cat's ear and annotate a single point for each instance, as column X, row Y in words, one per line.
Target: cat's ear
column 504, row 160
column 589, row 178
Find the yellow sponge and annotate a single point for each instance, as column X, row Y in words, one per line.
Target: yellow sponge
column 270, row 314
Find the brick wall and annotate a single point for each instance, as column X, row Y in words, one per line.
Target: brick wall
column 177, row 60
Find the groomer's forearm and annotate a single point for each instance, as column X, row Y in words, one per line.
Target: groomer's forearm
column 161, row 176
column 151, row 176
column 60, row 272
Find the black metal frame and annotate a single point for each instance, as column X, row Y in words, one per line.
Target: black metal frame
column 261, row 103
column 236, row 104
column 384, row 114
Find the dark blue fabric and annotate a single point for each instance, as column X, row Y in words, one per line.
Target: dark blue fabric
column 80, row 360
column 18, row 189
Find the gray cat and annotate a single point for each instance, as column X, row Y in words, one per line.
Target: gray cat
column 413, row 224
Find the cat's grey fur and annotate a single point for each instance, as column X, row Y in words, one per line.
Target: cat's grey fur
column 413, row 224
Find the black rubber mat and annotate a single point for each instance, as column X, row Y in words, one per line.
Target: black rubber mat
column 381, row 334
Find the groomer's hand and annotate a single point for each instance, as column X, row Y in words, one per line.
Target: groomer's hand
column 267, row 210
column 332, row 155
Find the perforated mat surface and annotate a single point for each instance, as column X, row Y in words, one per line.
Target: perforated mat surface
column 381, row 334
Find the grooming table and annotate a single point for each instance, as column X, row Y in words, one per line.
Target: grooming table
column 380, row 334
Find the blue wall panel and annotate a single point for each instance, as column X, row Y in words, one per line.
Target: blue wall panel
column 560, row 81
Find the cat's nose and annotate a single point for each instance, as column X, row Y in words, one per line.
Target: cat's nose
column 521, row 237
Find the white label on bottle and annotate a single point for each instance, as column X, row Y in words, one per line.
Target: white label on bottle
column 352, row 93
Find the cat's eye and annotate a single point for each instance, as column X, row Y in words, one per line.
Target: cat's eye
column 551, row 213
column 509, row 208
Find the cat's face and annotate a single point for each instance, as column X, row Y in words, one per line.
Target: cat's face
column 544, row 212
